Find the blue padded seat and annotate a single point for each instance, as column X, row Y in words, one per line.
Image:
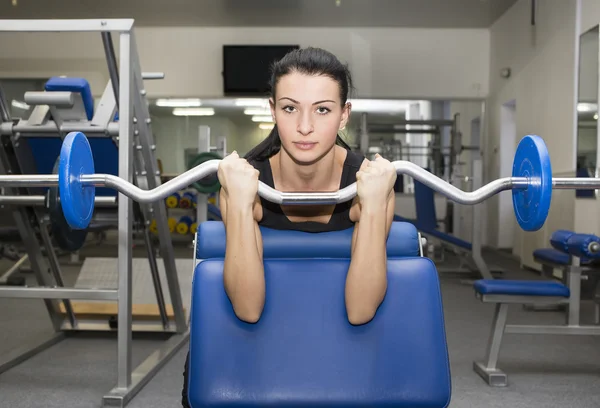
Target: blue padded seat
column 402, row 241
column 521, row 288
column 303, row 351
column 555, row 256
column 78, row 85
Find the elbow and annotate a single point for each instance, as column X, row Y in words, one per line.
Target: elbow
column 248, row 314
column 360, row 315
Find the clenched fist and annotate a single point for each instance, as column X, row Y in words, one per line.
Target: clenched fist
column 238, row 178
column 375, row 181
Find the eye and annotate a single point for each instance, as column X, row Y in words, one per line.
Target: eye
column 322, row 110
column 289, row 109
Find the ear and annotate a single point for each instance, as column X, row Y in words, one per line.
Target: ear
column 272, row 106
column 345, row 115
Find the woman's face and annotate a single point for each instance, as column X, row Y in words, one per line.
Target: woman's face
column 308, row 114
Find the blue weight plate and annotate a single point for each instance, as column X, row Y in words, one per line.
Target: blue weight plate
column 532, row 204
column 63, row 235
column 77, row 200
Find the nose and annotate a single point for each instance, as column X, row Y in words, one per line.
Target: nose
column 305, row 125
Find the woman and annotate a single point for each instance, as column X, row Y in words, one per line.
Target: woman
column 309, row 105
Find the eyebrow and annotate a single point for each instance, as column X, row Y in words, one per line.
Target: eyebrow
column 316, row 103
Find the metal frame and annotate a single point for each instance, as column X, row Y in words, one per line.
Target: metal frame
column 132, row 129
column 487, row 369
column 473, row 261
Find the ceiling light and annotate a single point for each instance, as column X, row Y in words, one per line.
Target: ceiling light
column 595, row 116
column 256, row 111
column 261, row 103
column 179, row 103
column 193, row 112
column 379, row 105
column 268, row 119
column 266, row 126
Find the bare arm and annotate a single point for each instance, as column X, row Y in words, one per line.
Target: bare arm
column 366, row 283
column 243, row 275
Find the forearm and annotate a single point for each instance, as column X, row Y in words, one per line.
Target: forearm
column 244, row 278
column 366, row 282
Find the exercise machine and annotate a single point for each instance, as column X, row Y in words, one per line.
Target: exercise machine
column 122, row 145
column 503, row 293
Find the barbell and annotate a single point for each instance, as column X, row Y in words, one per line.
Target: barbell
column 531, row 184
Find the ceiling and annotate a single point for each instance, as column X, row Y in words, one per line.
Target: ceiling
column 263, row 13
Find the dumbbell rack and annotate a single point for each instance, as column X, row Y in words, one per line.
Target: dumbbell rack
column 138, row 165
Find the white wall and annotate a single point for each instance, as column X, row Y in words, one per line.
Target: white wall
column 586, row 210
column 588, row 67
column 385, row 62
column 543, row 64
column 590, row 14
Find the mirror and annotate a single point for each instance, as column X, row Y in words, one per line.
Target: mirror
column 587, row 108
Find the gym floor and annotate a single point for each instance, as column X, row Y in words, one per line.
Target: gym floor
column 544, row 371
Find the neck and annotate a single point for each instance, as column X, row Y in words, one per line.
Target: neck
column 318, row 176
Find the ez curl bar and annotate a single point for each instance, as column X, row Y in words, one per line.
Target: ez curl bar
column 531, row 184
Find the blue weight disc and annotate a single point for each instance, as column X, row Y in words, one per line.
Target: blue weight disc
column 76, row 200
column 532, row 204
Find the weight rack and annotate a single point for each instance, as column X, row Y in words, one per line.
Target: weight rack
column 137, row 164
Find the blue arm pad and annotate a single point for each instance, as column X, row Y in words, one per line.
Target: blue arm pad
column 304, row 352
column 559, row 238
column 79, row 85
column 579, row 245
column 402, row 241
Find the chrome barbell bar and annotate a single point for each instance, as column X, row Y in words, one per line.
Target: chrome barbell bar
column 303, row 198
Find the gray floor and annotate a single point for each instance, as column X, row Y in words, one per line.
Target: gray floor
column 544, row 371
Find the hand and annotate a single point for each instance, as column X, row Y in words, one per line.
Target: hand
column 375, row 181
column 239, row 179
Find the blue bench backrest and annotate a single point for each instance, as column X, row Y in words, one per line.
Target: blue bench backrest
column 425, row 206
column 45, row 150
column 403, row 241
column 303, row 351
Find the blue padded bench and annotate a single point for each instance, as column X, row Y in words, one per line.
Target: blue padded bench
column 553, row 256
column 45, row 150
column 536, row 292
column 486, row 287
column 503, row 293
column 303, row 351
column 427, row 219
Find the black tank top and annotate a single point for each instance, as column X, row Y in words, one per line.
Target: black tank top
column 274, row 217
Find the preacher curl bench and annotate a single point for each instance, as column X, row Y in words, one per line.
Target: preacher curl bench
column 303, row 351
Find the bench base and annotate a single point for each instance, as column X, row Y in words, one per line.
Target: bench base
column 493, row 376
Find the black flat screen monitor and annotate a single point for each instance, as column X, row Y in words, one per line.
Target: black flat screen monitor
column 247, row 68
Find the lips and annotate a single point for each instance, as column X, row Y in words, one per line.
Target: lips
column 305, row 145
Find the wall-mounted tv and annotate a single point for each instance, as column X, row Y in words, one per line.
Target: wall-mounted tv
column 247, row 68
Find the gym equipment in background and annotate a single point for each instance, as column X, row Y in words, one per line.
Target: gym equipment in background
column 210, row 184
column 470, row 257
column 30, row 147
column 531, row 184
column 537, row 293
